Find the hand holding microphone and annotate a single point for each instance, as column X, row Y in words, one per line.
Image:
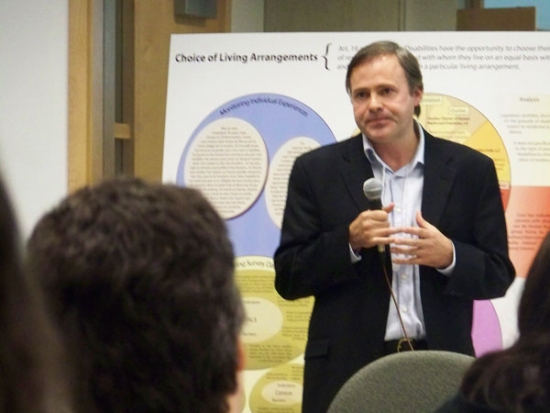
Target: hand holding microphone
column 371, row 227
column 426, row 245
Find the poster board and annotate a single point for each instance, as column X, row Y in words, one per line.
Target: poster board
column 241, row 107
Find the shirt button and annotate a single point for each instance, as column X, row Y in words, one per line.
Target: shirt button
column 404, row 309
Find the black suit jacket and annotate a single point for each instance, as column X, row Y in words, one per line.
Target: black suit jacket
column 461, row 197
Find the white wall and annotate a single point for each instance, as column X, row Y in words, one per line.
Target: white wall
column 33, row 104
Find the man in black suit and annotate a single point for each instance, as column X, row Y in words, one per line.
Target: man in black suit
column 442, row 217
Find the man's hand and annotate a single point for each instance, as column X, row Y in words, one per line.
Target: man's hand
column 426, row 246
column 371, row 228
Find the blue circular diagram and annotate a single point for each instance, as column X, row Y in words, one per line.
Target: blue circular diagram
column 240, row 157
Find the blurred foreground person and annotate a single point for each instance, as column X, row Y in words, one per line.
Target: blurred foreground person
column 517, row 379
column 141, row 279
column 32, row 376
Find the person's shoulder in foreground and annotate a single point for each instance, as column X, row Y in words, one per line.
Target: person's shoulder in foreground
column 140, row 276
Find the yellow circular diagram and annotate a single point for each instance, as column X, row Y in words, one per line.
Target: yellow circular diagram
column 275, row 331
column 453, row 119
column 279, row 390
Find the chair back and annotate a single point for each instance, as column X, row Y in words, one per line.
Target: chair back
column 411, row 382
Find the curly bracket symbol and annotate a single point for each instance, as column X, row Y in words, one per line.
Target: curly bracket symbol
column 325, row 56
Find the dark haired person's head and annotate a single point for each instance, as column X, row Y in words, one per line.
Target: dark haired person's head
column 517, row 379
column 406, row 59
column 31, row 375
column 534, row 307
column 141, row 279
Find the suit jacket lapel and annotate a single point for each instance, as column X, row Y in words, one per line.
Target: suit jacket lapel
column 438, row 179
column 355, row 170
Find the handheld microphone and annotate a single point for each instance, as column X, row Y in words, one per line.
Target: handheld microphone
column 372, row 188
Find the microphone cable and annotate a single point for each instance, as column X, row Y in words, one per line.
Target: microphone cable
column 394, row 299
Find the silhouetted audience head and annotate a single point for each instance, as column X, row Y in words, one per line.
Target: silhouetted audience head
column 517, row 379
column 141, row 280
column 31, row 365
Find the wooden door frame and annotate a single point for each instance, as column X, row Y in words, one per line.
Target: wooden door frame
column 92, row 127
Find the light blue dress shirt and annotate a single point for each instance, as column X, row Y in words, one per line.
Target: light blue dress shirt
column 404, row 188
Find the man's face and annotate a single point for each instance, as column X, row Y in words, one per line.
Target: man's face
column 383, row 105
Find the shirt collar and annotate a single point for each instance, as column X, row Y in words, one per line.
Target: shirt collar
column 418, row 158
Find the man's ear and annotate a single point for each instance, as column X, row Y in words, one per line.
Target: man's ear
column 417, row 95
